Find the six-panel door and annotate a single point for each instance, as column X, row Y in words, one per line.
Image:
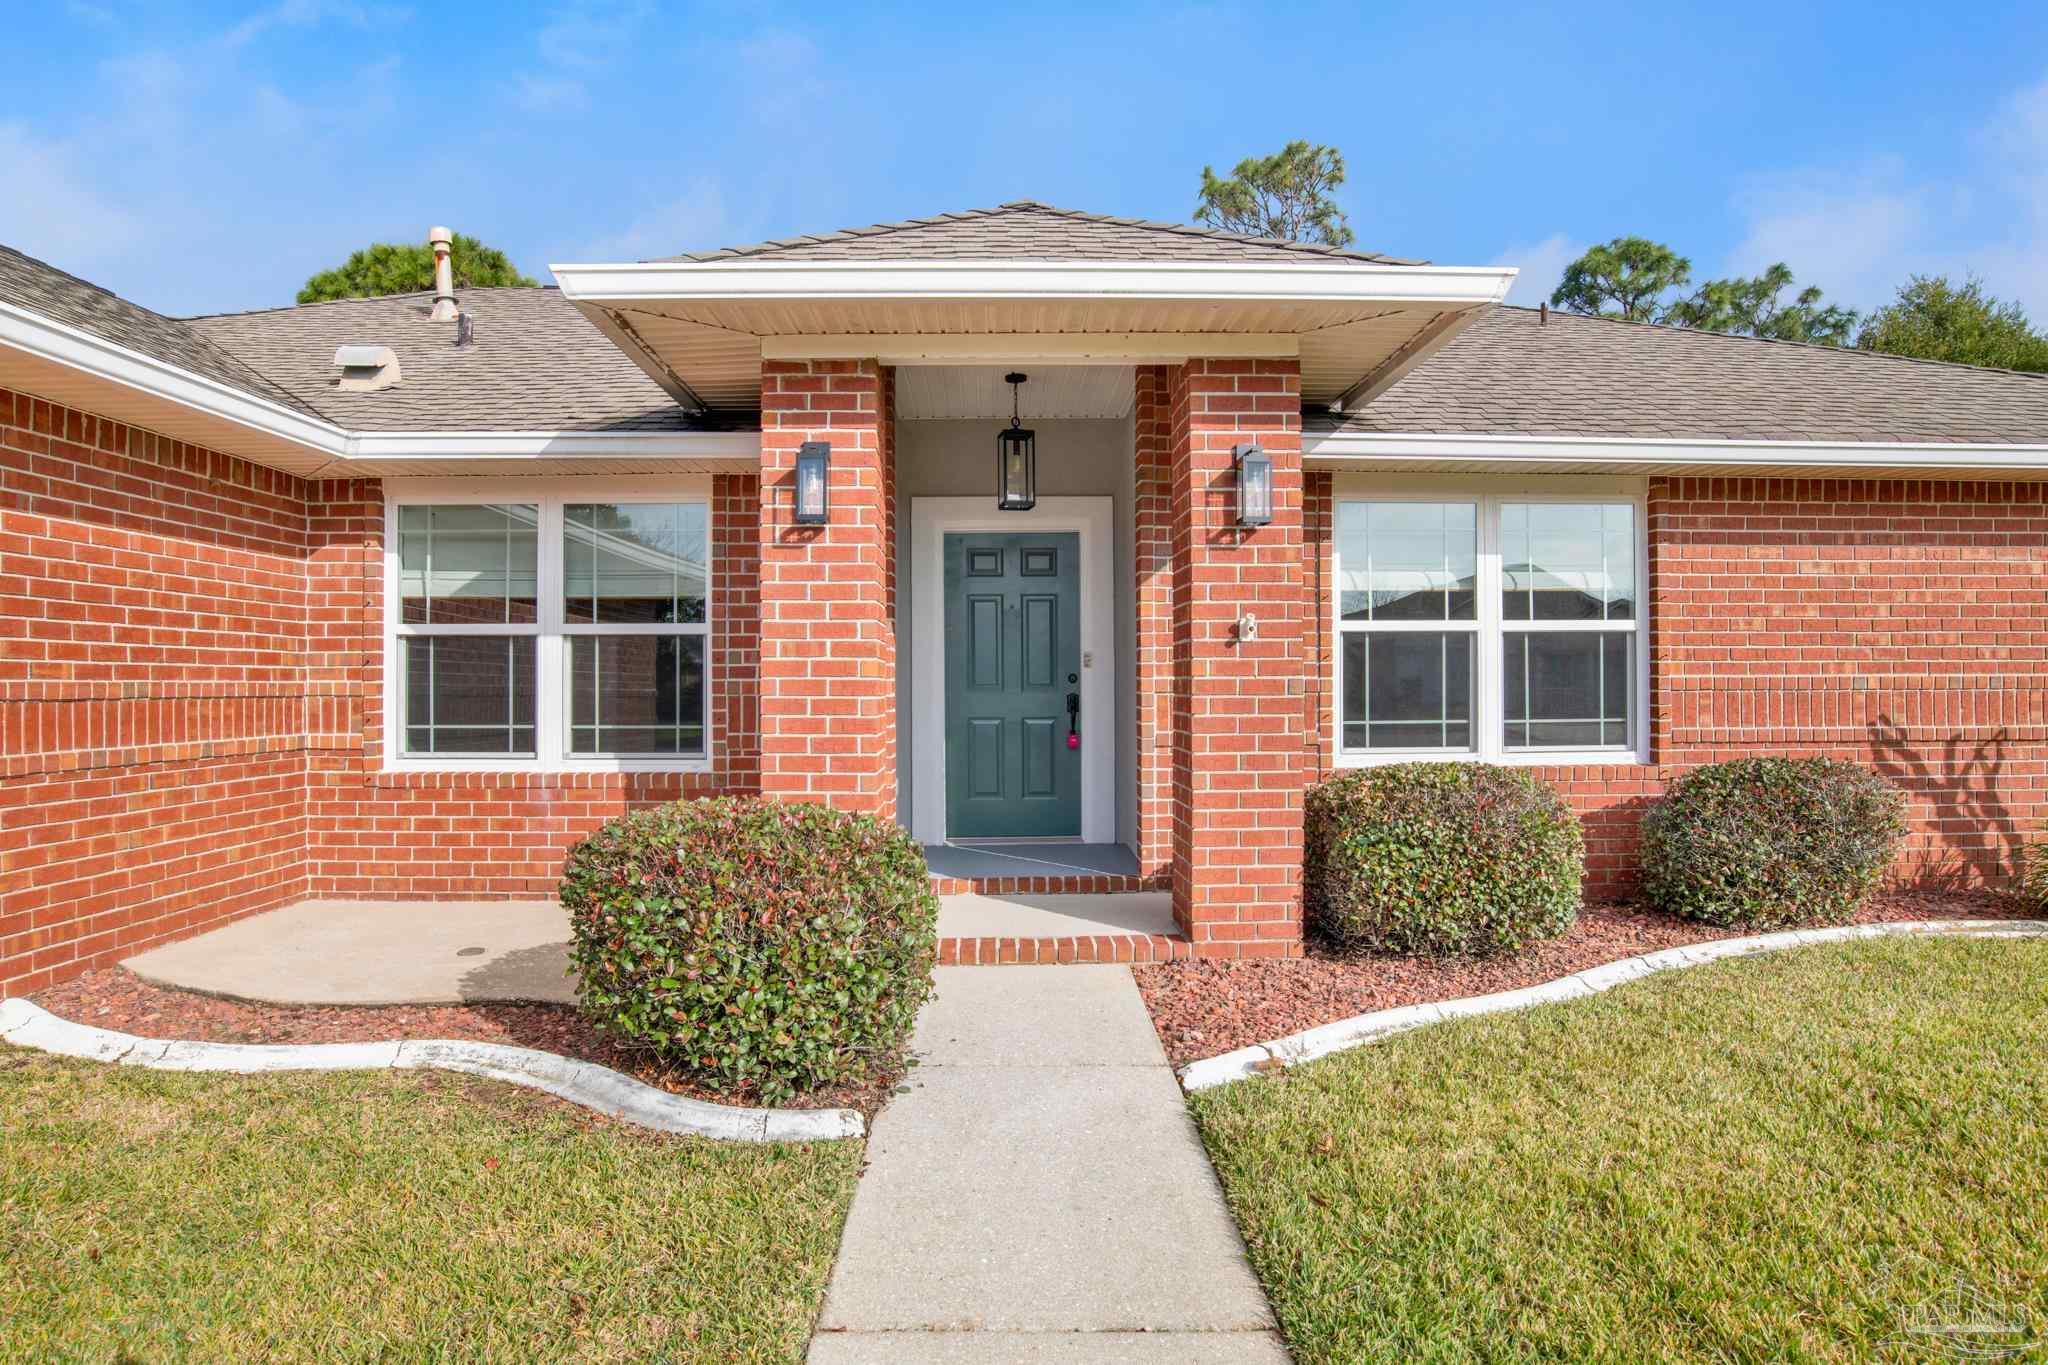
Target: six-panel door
column 1013, row 662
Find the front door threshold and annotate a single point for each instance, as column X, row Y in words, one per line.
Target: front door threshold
column 977, row 861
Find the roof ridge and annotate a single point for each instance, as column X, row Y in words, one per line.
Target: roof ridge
column 1037, row 206
column 365, row 298
column 1778, row 341
column 1202, row 230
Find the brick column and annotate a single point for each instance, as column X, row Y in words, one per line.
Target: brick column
column 828, row 632
column 1239, row 765
column 1152, row 650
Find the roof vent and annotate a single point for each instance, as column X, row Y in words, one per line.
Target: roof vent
column 445, row 309
column 366, row 369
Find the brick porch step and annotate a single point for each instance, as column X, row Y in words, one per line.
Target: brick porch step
column 1077, row 884
column 987, row 928
column 1025, row 952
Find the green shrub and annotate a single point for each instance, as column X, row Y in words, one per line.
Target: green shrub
column 1771, row 842
column 767, row 949
column 1440, row 858
column 2034, row 874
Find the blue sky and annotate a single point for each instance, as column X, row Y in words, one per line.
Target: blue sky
column 201, row 157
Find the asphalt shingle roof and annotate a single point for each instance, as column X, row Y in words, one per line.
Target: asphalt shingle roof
column 43, row 289
column 537, row 364
column 1512, row 373
column 1027, row 230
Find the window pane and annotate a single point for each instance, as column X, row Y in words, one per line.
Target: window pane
column 1568, row 690
column 1406, row 690
column 1567, row 561
column 1407, row 561
column 636, row 694
column 468, row 565
column 626, row 563
column 468, row 694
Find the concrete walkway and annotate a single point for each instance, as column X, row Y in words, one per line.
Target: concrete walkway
column 1040, row 1194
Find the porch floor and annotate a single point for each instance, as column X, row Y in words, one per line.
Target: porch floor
column 332, row 952
column 978, row 916
column 982, row 862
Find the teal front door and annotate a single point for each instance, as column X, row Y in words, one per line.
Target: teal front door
column 1013, row 661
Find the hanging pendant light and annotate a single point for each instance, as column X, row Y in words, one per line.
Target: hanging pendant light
column 1016, row 458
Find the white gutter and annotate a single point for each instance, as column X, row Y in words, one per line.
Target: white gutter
column 513, row 445
column 58, row 343
column 767, row 281
column 80, row 350
column 1336, row 448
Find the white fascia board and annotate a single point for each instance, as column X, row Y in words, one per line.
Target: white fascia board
column 64, row 345
column 502, row 445
column 1004, row 279
column 1331, row 448
column 80, row 350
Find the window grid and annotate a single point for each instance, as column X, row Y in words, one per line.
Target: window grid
column 1491, row 627
column 551, row 632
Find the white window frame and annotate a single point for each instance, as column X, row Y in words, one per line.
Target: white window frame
column 550, row 630
column 1489, row 727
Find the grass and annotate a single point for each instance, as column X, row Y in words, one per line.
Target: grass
column 1793, row 1157
column 392, row 1216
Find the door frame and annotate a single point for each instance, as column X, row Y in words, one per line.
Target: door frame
column 931, row 519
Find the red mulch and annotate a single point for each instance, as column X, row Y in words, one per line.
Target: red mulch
column 1206, row 1008
column 117, row 999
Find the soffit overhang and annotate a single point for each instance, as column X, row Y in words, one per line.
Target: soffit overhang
column 76, row 369
column 703, row 328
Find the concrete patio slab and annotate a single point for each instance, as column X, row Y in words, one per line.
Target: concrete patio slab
column 970, row 915
column 1040, row 1193
column 376, row 953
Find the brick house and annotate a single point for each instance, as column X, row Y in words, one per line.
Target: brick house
column 396, row 598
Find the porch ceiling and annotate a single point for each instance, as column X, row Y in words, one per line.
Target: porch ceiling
column 703, row 329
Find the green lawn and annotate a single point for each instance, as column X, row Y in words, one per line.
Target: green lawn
column 1791, row 1157
column 390, row 1216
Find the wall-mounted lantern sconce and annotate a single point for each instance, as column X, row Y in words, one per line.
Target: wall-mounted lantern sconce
column 1016, row 459
column 813, row 478
column 1254, row 485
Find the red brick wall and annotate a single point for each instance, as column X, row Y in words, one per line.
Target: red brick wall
column 1238, row 759
column 828, row 635
column 1898, row 623
column 486, row 835
column 152, row 623
column 1901, row 623
column 191, row 711
column 1152, row 572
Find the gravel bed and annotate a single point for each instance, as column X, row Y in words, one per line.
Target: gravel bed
column 114, row 998
column 1206, row 1008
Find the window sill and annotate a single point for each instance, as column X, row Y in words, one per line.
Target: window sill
column 533, row 767
column 1541, row 758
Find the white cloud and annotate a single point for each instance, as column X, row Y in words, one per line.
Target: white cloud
column 50, row 208
column 782, row 78
column 1542, row 265
column 1860, row 231
column 591, row 37
column 306, row 14
column 186, row 155
column 575, row 44
column 696, row 220
column 548, row 95
column 1848, row 232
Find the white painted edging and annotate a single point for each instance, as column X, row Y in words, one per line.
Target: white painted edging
column 585, row 1083
column 1361, row 1029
